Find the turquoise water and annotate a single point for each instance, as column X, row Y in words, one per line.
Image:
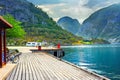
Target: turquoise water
column 101, row 59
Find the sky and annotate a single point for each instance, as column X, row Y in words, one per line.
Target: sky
column 76, row 9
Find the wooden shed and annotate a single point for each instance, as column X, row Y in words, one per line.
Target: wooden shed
column 3, row 26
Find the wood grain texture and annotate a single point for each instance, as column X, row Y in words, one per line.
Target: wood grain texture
column 40, row 66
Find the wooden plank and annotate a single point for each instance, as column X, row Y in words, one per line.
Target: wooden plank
column 20, row 72
column 37, row 70
column 0, row 47
column 40, row 66
column 46, row 73
column 13, row 74
column 52, row 71
column 28, row 72
column 6, row 70
column 53, row 67
column 33, row 72
column 61, row 71
column 17, row 73
column 23, row 69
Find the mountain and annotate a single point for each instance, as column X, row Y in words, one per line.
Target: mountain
column 69, row 24
column 37, row 24
column 104, row 24
column 23, row 11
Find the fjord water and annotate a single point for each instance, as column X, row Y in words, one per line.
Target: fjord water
column 101, row 59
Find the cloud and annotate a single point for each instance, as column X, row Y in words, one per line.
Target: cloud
column 57, row 11
column 77, row 9
column 101, row 3
column 52, row 9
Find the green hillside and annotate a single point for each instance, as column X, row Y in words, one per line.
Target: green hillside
column 36, row 23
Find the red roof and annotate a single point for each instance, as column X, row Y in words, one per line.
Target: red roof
column 4, row 23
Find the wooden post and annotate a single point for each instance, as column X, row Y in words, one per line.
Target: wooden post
column 3, row 25
column 4, row 47
column 0, row 48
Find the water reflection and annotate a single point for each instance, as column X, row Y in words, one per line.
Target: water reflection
column 103, row 60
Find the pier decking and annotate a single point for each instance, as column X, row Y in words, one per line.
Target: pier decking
column 5, row 70
column 41, row 66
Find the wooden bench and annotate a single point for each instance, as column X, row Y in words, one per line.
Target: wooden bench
column 12, row 55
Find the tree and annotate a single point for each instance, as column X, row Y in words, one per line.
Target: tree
column 16, row 31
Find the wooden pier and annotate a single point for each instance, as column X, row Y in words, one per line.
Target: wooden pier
column 41, row 66
column 44, row 49
column 5, row 70
column 57, row 52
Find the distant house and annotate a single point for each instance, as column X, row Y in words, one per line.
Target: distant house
column 31, row 44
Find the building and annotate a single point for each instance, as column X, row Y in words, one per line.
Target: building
column 3, row 26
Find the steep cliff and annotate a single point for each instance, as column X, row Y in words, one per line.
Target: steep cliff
column 104, row 23
column 69, row 24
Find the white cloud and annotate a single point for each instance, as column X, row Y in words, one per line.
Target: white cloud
column 50, row 8
column 57, row 11
column 83, row 2
column 74, row 8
